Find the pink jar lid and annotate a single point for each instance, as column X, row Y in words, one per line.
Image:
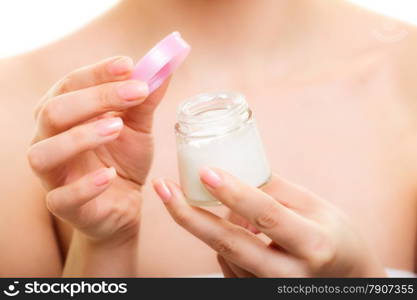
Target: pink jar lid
column 161, row 61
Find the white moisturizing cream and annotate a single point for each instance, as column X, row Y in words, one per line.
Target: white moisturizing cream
column 218, row 130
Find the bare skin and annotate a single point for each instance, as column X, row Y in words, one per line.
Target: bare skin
column 334, row 101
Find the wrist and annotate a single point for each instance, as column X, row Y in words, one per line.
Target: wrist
column 102, row 258
column 116, row 241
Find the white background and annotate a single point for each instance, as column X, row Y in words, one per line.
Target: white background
column 27, row 24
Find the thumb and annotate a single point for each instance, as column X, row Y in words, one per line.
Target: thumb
column 140, row 117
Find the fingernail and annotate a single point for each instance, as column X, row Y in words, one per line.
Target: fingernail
column 162, row 190
column 110, row 126
column 210, row 177
column 121, row 66
column 103, row 176
column 132, row 90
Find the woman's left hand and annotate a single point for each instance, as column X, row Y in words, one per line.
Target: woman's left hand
column 307, row 236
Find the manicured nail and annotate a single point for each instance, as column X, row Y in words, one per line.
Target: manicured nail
column 121, row 66
column 106, row 127
column 210, row 177
column 162, row 190
column 103, row 176
column 132, row 90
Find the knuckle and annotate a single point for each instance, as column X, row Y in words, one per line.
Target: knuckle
column 182, row 217
column 119, row 214
column 50, row 115
column 66, row 84
column 37, row 110
column 268, row 218
column 125, row 214
column 322, row 251
column 79, row 137
column 51, row 202
column 35, row 159
column 35, row 138
column 99, row 73
column 223, row 247
column 104, row 97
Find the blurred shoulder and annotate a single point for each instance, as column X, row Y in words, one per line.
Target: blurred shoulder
column 395, row 44
column 406, row 59
column 392, row 49
column 19, row 83
column 19, row 92
column 17, row 99
column 22, row 206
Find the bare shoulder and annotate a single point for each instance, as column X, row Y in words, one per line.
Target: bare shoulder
column 394, row 43
column 31, row 237
column 18, row 95
column 400, row 70
column 398, row 82
column 28, row 241
column 406, row 59
column 389, row 48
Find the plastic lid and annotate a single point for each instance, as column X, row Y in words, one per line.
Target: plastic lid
column 161, row 61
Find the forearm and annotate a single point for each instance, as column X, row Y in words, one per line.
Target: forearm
column 101, row 259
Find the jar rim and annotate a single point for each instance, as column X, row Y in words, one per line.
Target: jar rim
column 189, row 110
column 226, row 110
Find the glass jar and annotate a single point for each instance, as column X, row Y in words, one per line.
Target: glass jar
column 218, row 130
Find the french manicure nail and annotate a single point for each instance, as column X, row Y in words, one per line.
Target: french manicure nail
column 132, row 90
column 163, row 190
column 110, row 126
column 121, row 66
column 103, row 176
column 210, row 177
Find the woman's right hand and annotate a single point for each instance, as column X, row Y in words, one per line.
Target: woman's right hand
column 93, row 148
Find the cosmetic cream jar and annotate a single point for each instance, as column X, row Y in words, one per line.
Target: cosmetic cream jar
column 218, row 130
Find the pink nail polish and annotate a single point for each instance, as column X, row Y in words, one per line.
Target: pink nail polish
column 163, row 190
column 210, row 177
column 132, row 90
column 103, row 176
column 121, row 66
column 110, row 126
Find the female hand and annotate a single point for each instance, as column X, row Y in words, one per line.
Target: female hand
column 307, row 236
column 93, row 148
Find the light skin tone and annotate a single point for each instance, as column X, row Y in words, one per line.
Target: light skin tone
column 94, row 118
column 335, row 106
column 307, row 237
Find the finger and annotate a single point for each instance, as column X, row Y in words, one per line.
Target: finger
column 241, row 273
column 52, row 152
column 67, row 110
column 291, row 195
column 140, row 118
column 66, row 201
column 232, row 242
column 108, row 70
column 238, row 220
column 227, row 271
column 291, row 231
